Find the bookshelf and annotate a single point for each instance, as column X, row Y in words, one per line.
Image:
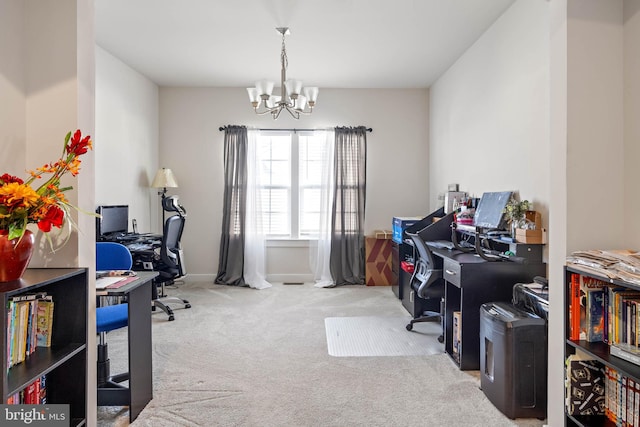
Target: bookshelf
column 65, row 362
column 597, row 350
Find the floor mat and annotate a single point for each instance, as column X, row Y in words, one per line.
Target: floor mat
column 380, row 336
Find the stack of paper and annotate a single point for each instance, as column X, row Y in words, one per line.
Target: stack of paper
column 104, row 282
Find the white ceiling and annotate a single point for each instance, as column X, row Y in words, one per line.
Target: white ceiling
column 333, row 43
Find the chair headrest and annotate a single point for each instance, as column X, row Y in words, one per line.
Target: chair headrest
column 170, row 204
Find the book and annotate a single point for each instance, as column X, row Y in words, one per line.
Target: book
column 574, row 307
column 9, row 333
column 626, row 351
column 594, row 322
column 630, row 397
column 43, row 390
column 636, row 405
column 44, row 322
column 591, row 303
column 23, row 321
column 586, row 387
column 609, row 393
column 618, row 303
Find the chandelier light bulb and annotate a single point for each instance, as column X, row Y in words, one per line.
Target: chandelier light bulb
column 312, row 95
column 301, row 103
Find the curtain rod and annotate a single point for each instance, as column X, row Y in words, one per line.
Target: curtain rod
column 221, row 128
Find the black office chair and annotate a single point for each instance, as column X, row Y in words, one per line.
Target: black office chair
column 427, row 282
column 169, row 262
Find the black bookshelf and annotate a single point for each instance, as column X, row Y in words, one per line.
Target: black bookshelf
column 597, row 350
column 65, row 362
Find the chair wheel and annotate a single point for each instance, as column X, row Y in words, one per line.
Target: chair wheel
column 171, row 318
column 187, row 306
column 441, row 339
column 410, row 327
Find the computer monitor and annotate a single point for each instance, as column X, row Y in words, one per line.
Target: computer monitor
column 490, row 211
column 114, row 220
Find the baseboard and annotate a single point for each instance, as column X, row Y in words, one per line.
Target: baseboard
column 199, row 278
column 276, row 278
column 290, row 278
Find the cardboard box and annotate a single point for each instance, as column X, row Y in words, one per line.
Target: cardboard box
column 534, row 217
column 383, row 234
column 400, row 223
column 456, row 335
column 378, row 262
column 530, row 236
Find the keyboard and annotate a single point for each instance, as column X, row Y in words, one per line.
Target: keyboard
column 136, row 247
column 441, row 244
column 126, row 238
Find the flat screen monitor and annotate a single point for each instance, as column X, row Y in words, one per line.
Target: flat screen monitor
column 490, row 211
column 114, row 220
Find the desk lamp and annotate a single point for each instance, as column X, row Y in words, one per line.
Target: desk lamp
column 164, row 179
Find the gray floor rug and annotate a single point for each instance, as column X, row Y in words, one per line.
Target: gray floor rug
column 380, row 336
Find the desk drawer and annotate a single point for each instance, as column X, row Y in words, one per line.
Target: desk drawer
column 451, row 271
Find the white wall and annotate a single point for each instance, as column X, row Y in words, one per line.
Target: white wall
column 126, row 140
column 12, row 89
column 631, row 122
column 588, row 155
column 489, row 111
column 190, row 144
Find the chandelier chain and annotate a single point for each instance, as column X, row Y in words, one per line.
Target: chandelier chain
column 283, row 55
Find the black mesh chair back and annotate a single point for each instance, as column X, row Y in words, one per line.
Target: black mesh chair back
column 170, row 265
column 427, row 281
column 170, row 249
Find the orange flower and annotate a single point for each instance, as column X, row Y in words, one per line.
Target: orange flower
column 15, row 195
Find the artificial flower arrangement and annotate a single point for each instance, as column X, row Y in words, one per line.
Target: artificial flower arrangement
column 515, row 211
column 22, row 203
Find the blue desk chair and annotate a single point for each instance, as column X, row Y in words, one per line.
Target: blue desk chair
column 110, row 256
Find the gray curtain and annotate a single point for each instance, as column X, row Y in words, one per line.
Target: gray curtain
column 347, row 259
column 231, row 260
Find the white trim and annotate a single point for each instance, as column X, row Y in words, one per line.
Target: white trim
column 199, row 278
column 290, row 278
column 287, row 243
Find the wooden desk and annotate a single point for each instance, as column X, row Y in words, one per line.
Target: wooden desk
column 140, row 390
column 471, row 281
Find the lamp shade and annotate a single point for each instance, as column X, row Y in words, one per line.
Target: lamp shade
column 164, row 179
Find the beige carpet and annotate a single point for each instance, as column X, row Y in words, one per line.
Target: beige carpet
column 242, row 357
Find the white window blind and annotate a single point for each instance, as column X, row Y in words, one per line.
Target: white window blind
column 290, row 176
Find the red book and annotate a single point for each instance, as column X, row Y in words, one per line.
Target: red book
column 574, row 314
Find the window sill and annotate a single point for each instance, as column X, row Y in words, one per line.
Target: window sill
column 287, row 243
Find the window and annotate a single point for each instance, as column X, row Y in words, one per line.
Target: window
column 290, row 182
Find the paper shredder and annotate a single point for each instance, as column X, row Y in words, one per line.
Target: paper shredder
column 513, row 360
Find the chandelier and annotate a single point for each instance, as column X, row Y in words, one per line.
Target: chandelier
column 291, row 96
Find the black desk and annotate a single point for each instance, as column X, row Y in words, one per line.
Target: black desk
column 140, row 390
column 471, row 281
